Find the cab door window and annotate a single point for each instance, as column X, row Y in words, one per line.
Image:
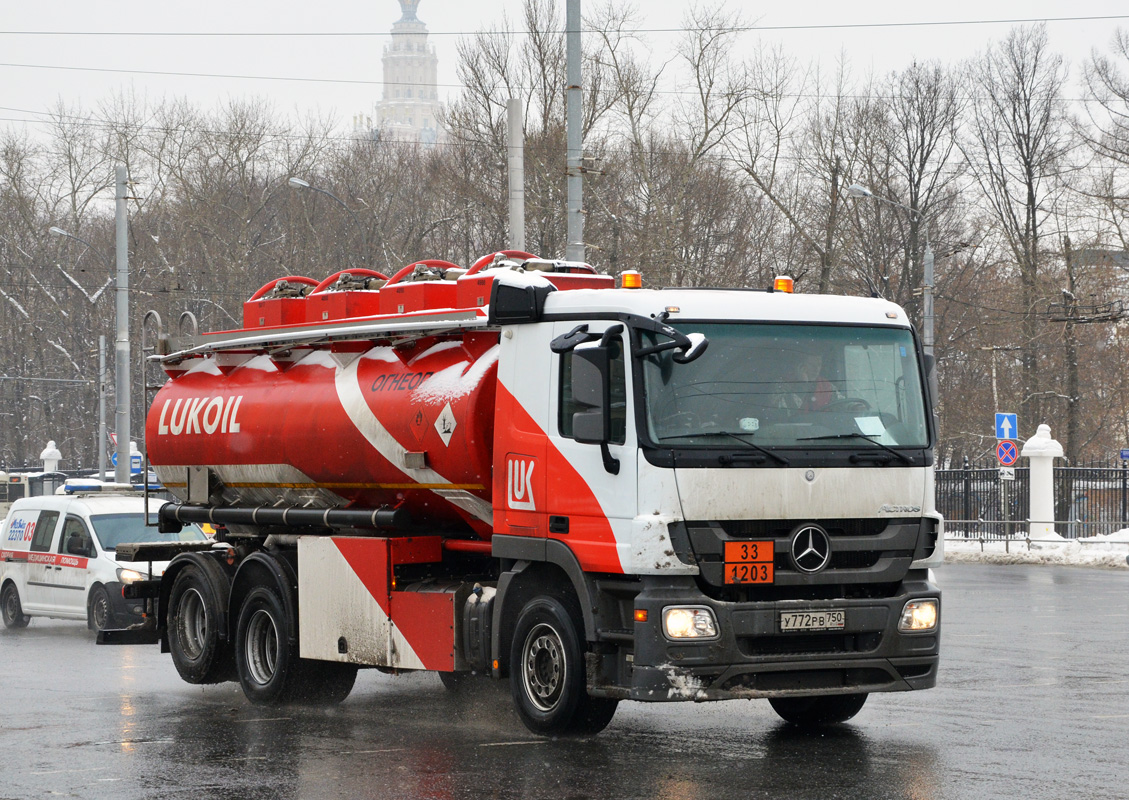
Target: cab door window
column 76, row 539
column 44, row 530
column 567, row 405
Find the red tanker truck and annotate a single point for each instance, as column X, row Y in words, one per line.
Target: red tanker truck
column 521, row 471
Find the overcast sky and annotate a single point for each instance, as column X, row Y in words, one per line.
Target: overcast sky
column 342, row 72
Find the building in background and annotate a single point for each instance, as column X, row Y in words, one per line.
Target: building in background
column 409, row 107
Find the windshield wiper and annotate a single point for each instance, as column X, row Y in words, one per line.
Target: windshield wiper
column 864, row 437
column 731, row 435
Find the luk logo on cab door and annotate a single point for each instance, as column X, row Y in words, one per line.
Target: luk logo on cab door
column 519, row 482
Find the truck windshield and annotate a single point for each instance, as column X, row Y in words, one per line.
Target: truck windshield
column 777, row 385
column 115, row 529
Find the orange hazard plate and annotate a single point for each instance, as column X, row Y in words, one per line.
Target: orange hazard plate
column 749, row 573
column 749, row 562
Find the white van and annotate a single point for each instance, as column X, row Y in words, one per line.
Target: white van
column 57, row 557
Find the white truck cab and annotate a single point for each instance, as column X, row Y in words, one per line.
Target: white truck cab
column 57, row 557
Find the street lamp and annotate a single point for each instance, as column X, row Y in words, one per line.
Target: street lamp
column 856, row 190
column 298, row 183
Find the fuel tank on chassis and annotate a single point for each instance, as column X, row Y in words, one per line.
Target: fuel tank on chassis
column 408, row 426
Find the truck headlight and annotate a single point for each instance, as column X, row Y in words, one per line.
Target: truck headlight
column 689, row 622
column 918, row 616
column 129, row 575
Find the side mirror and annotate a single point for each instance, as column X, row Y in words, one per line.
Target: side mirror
column 591, row 367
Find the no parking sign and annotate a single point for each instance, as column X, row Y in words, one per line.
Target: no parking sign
column 1007, row 453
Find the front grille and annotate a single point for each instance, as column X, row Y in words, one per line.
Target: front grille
column 862, row 550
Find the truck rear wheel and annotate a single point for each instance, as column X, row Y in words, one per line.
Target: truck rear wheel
column 194, row 630
column 547, row 676
column 265, row 658
column 270, row 671
column 813, row 711
column 11, row 609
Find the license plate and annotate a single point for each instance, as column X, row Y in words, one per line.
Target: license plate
column 830, row 620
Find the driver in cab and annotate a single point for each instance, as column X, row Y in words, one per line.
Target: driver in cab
column 805, row 388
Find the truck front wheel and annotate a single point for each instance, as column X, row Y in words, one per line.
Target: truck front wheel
column 547, row 676
column 812, row 711
column 11, row 609
column 194, row 630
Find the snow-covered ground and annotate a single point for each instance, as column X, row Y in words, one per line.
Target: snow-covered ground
column 1109, row 551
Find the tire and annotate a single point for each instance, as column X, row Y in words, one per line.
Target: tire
column 547, row 676
column 267, row 662
column 99, row 612
column 11, row 609
column 265, row 658
column 198, row 653
column 815, row 711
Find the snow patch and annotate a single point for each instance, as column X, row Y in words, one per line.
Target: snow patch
column 206, row 365
column 683, row 685
column 437, row 348
column 318, row 358
column 261, row 363
column 382, row 353
column 457, row 380
column 1107, row 551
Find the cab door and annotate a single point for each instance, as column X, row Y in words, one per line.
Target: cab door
column 591, row 496
column 75, row 550
column 41, row 568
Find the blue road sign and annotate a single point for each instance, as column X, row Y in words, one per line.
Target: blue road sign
column 1006, row 426
column 1007, row 453
column 1125, row 455
column 134, row 463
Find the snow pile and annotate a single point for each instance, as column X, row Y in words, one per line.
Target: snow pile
column 457, row 380
column 1109, row 551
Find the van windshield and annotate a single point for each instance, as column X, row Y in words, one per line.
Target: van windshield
column 115, row 529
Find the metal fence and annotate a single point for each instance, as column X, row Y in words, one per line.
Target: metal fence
column 1090, row 499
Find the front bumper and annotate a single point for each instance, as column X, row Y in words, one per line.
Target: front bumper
column 753, row 658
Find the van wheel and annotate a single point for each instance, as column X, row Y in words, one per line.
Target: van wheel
column 547, row 675
column 11, row 609
column 98, row 611
column 814, row 711
column 194, row 630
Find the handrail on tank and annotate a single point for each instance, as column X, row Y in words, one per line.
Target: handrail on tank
column 427, row 262
column 267, row 287
column 188, row 315
column 368, row 273
column 488, row 259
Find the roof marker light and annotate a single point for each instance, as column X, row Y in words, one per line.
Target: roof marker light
column 783, row 283
column 631, row 279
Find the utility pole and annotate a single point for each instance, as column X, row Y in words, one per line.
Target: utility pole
column 574, row 248
column 516, row 159
column 121, row 343
column 102, row 407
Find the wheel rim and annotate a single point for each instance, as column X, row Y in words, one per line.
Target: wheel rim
column 543, row 667
column 10, row 603
column 262, row 647
column 192, row 623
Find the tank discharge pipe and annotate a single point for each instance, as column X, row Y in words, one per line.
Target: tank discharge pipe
column 172, row 515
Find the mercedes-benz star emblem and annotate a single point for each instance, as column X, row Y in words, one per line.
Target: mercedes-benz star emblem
column 811, row 549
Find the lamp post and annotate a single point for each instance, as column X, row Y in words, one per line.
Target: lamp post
column 121, row 362
column 855, row 190
column 298, row 183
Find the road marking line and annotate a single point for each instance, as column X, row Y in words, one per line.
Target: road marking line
column 63, row 771
column 506, row 744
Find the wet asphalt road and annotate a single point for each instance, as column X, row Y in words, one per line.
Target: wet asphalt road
column 1033, row 702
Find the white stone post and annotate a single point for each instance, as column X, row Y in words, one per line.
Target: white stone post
column 51, row 458
column 1041, row 451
